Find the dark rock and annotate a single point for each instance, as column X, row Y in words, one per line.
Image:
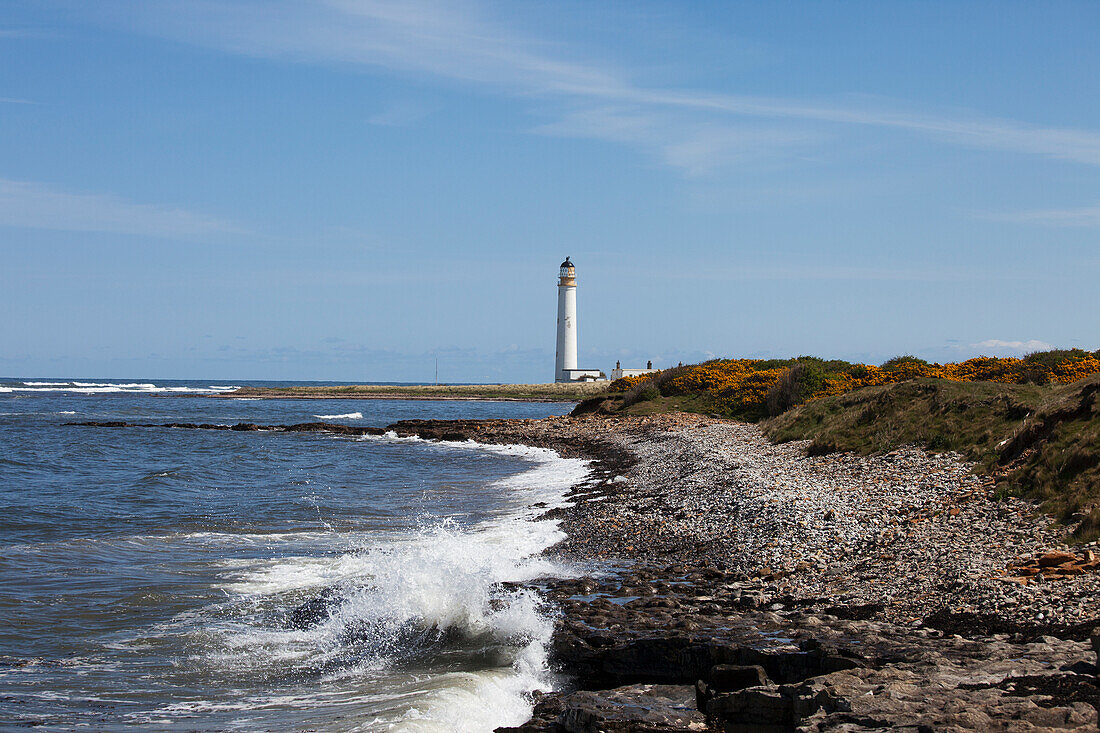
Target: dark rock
column 856, row 612
column 733, row 677
column 315, row 611
column 757, row 709
column 245, row 426
column 632, row 708
column 668, row 660
column 1082, row 667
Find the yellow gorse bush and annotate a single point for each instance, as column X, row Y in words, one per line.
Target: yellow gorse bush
column 743, row 386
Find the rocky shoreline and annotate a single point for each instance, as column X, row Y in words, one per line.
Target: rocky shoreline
column 740, row 585
column 747, row 586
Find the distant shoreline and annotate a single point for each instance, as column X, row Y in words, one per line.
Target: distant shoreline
column 466, row 392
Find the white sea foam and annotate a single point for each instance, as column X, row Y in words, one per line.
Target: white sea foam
column 346, row 416
column 110, row 387
column 401, row 596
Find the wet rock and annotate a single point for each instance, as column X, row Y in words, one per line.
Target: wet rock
column 641, row 708
column 633, row 708
column 316, row 610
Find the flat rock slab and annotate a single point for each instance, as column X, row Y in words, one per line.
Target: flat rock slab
column 641, row 708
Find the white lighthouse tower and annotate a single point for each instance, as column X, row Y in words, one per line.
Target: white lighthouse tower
column 565, row 360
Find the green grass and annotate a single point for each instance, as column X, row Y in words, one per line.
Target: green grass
column 968, row 417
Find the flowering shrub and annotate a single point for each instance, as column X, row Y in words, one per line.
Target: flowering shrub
column 752, row 388
column 624, row 384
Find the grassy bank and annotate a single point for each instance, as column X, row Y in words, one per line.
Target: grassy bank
column 525, row 392
column 1040, row 442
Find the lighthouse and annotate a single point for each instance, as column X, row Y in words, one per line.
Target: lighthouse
column 565, row 359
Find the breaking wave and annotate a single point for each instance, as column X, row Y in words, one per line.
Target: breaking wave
column 346, row 416
column 438, row 608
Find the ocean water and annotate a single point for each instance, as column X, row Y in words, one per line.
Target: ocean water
column 154, row 578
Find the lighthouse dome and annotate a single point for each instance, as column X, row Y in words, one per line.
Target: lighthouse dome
column 567, row 272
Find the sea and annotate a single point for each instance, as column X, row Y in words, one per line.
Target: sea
column 195, row 580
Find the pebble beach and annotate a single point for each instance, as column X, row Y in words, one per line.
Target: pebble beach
column 733, row 584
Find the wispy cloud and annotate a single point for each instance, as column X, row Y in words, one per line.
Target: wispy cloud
column 696, row 147
column 841, row 273
column 13, row 100
column 37, row 206
column 458, row 42
column 997, row 346
column 1087, row 216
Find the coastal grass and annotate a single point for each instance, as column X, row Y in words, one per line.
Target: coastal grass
column 970, row 418
column 554, row 392
column 1040, row 442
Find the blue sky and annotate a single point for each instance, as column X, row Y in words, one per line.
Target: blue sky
column 348, row 189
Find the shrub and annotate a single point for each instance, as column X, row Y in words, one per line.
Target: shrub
column 753, row 388
column 902, row 362
column 625, row 384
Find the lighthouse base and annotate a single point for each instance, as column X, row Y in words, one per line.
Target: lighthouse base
column 581, row 375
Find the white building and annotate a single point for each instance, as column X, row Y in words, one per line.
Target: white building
column 565, row 358
column 618, row 372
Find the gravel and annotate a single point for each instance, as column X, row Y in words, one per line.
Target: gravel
column 913, row 531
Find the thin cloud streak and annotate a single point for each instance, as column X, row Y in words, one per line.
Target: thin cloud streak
column 844, row 273
column 452, row 41
column 32, row 205
column 1087, row 216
